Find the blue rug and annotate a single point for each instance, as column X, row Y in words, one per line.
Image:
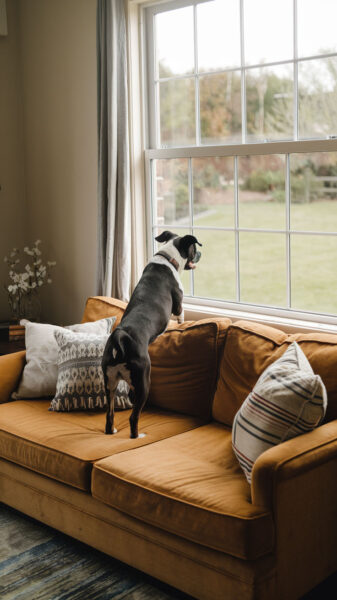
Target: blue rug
column 39, row 563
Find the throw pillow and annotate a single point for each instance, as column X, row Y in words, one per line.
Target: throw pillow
column 80, row 382
column 287, row 400
column 40, row 372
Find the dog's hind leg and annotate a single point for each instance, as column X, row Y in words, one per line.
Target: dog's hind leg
column 110, row 388
column 140, row 378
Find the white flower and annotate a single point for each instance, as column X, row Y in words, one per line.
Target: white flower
column 49, row 280
column 5, row 259
column 13, row 253
column 40, row 282
column 33, row 284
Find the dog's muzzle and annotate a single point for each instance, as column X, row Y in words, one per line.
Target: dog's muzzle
column 191, row 263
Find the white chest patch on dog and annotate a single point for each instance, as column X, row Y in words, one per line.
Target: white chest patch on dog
column 161, row 260
column 116, row 373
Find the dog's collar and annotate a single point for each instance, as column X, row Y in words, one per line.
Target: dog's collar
column 169, row 258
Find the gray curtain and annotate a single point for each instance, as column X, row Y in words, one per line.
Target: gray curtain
column 114, row 221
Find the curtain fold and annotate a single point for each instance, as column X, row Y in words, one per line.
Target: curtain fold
column 114, row 205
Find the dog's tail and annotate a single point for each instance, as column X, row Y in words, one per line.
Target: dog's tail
column 119, row 345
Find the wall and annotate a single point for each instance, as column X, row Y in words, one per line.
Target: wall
column 58, row 63
column 13, row 215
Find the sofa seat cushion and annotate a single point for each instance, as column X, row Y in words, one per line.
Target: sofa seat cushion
column 64, row 446
column 192, row 486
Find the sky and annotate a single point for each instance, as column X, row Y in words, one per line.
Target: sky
column 268, row 33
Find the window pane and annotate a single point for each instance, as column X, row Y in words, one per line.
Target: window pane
column 314, row 273
column 171, row 195
column 262, row 191
column 316, row 27
column 268, row 28
column 175, row 42
column 214, row 276
column 218, row 35
column 213, row 192
column 220, row 108
column 263, row 268
column 177, row 112
column 185, row 276
column 317, row 82
column 314, row 191
column 269, row 92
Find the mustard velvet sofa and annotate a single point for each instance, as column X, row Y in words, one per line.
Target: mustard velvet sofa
column 175, row 504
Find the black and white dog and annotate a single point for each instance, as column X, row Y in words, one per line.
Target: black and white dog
column 158, row 294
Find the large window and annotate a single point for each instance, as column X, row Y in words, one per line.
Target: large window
column 242, row 121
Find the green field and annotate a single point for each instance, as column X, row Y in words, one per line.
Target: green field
column 263, row 256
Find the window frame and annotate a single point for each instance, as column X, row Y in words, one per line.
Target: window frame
column 284, row 147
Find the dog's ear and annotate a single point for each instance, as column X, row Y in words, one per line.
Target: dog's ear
column 186, row 242
column 166, row 236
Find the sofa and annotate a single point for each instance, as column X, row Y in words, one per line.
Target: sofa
column 175, row 503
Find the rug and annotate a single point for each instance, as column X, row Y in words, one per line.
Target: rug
column 39, row 563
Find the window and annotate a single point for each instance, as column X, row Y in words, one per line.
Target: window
column 242, row 121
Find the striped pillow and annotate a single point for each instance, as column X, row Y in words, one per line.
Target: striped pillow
column 287, row 400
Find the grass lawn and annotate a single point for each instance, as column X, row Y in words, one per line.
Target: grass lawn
column 263, row 256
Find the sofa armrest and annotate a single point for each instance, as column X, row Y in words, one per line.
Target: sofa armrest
column 297, row 482
column 290, row 459
column 11, row 367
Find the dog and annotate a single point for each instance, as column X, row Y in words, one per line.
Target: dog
column 158, row 294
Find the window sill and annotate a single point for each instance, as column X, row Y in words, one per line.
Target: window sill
column 199, row 311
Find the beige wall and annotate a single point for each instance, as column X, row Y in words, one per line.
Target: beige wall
column 58, row 54
column 13, row 215
column 51, row 54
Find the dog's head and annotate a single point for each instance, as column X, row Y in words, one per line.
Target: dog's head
column 182, row 249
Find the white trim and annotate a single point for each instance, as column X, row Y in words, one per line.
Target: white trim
column 253, row 148
column 136, row 133
column 264, row 312
column 196, row 311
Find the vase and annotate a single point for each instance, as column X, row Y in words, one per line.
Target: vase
column 27, row 306
column 31, row 307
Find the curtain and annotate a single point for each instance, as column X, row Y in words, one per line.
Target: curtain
column 114, row 219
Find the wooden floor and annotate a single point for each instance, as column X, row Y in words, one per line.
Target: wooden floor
column 39, row 563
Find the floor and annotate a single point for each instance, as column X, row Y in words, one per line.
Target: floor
column 39, row 563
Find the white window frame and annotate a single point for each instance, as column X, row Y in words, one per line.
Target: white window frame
column 152, row 152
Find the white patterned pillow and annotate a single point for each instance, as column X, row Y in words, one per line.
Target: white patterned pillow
column 287, row 400
column 40, row 373
column 80, row 382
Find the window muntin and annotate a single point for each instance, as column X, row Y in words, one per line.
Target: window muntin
column 252, row 251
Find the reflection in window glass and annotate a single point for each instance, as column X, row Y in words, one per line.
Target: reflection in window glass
column 313, row 191
column 317, row 80
column 316, row 24
column 175, row 58
column 213, row 191
column 222, row 19
column 177, row 112
column 314, row 273
column 171, row 192
column 269, row 93
column 220, row 108
column 218, row 249
column 262, row 191
column 263, row 277
column 268, row 28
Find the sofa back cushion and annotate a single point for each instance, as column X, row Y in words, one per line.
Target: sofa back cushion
column 100, row 307
column 251, row 347
column 184, row 366
column 184, row 360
